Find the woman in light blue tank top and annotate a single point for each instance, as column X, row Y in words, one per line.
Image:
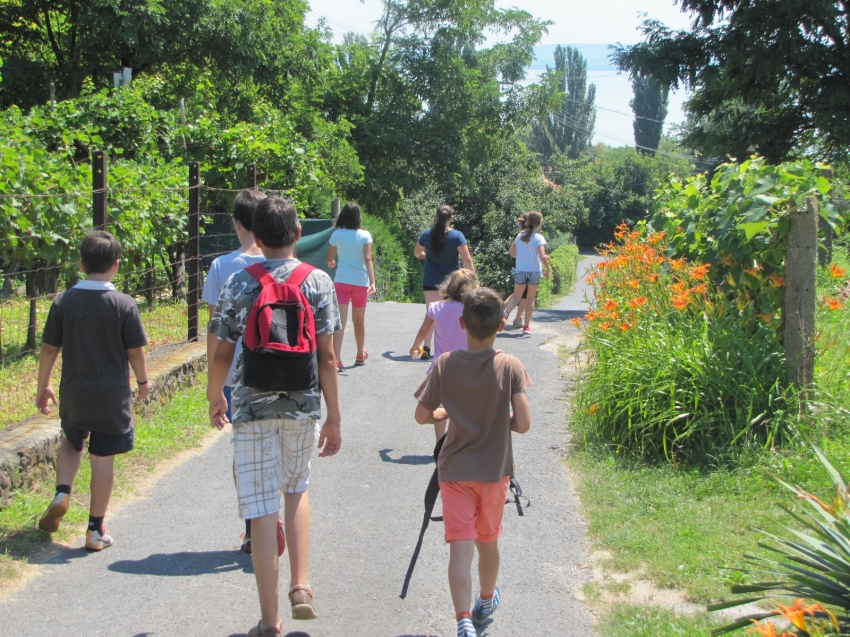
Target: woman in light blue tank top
column 350, row 252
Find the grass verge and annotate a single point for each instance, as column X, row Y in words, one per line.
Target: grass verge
column 180, row 425
column 635, row 621
column 164, row 324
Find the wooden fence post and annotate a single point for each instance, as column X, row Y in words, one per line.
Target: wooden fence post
column 252, row 177
column 99, row 161
column 335, row 208
column 800, row 275
column 194, row 296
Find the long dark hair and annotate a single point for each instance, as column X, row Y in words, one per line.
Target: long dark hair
column 440, row 227
column 533, row 221
column 349, row 217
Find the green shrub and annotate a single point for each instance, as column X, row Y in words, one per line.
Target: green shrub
column 564, row 261
column 391, row 262
column 544, row 293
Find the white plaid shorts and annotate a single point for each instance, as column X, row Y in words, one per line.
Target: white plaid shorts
column 271, row 456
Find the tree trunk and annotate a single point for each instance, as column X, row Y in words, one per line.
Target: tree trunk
column 177, row 271
column 32, row 295
column 149, row 296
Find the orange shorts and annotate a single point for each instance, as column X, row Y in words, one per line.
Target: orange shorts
column 473, row 510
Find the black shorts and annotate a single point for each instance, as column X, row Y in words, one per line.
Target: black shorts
column 100, row 444
column 429, row 288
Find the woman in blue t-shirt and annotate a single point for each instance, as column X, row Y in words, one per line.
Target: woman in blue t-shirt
column 350, row 252
column 440, row 247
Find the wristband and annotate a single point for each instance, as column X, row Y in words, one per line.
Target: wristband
column 143, row 382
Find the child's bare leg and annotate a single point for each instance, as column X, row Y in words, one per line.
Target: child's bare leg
column 358, row 317
column 340, row 333
column 488, row 566
column 67, row 462
column 297, row 525
column 431, row 296
column 440, row 428
column 102, row 478
column 515, row 298
column 266, row 568
column 529, row 308
column 460, row 574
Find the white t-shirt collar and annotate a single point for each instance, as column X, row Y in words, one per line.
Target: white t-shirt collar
column 86, row 284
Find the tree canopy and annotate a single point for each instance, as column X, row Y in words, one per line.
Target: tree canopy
column 772, row 73
column 650, row 108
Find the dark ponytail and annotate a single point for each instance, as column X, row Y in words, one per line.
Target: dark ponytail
column 440, row 227
column 533, row 221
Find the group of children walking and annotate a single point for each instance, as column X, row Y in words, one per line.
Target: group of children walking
column 473, row 394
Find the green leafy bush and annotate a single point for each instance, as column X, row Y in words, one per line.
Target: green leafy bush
column 389, row 259
column 672, row 373
column 564, row 262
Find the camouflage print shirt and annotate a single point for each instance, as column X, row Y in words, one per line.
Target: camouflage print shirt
column 231, row 314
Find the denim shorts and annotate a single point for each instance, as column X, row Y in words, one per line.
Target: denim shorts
column 531, row 278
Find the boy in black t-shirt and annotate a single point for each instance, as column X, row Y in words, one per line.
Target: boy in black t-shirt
column 98, row 330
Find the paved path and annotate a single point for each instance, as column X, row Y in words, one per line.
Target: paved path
column 176, row 570
column 575, row 301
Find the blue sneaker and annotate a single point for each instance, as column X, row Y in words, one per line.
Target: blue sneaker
column 484, row 608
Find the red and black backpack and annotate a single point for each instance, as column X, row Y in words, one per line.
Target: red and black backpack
column 280, row 336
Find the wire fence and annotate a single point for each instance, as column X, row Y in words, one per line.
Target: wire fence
column 165, row 277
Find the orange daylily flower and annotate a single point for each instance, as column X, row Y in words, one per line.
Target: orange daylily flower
column 576, row 321
column 681, row 301
column 654, row 277
column 699, row 272
column 634, row 283
column 766, row 630
column 728, row 260
column 611, row 304
column 834, row 304
column 776, row 280
column 796, row 613
column 593, row 408
column 658, row 237
column 678, row 264
column 678, row 287
column 625, row 326
column 605, row 326
column 837, row 271
column 638, row 301
column 702, row 288
column 591, row 315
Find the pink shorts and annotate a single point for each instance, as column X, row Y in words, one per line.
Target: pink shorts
column 357, row 294
column 474, row 510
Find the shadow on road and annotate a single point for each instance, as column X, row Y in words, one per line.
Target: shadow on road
column 297, row 633
column 186, row 564
column 399, row 357
column 413, row 460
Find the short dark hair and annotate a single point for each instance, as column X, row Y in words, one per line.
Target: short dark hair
column 98, row 251
column 276, row 222
column 245, row 204
column 349, row 217
column 482, row 312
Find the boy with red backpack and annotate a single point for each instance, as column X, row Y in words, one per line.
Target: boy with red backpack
column 286, row 313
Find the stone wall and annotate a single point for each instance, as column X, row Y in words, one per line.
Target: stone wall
column 28, row 449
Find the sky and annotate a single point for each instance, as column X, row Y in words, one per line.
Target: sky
column 598, row 22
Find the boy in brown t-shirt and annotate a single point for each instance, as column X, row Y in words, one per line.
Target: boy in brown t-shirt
column 478, row 387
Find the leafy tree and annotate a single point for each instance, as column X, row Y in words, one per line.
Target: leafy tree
column 569, row 127
column 780, row 69
column 650, row 108
column 427, row 103
column 615, row 185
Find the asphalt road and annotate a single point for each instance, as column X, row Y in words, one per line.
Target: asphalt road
column 176, row 570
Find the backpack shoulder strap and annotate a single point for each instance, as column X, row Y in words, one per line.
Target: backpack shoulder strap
column 300, row 274
column 260, row 273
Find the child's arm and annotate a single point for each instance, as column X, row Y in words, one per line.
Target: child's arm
column 544, row 259
column 425, row 416
column 370, row 267
column 330, row 258
column 330, row 436
column 49, row 354
column 420, row 336
column 136, row 356
column 218, row 369
column 521, row 418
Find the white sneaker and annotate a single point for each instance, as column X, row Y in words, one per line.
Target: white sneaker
column 97, row 542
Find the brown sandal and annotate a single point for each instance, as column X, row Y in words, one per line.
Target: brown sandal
column 301, row 599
